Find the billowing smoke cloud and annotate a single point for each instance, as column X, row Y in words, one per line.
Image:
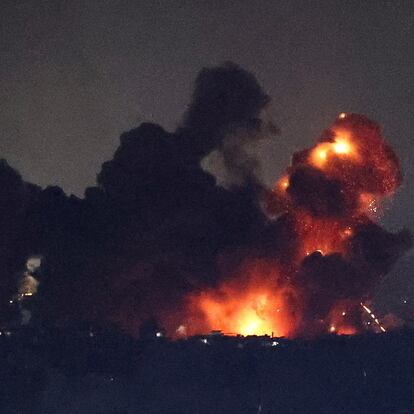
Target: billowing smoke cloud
column 165, row 236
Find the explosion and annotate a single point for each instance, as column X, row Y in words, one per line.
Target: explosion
column 327, row 204
column 180, row 230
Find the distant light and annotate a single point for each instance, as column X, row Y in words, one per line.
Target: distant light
column 275, row 343
column 342, row 115
column 348, row 231
column 332, row 328
column 405, row 301
column 204, row 341
column 158, row 334
column 343, row 313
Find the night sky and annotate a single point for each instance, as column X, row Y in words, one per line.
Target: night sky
column 74, row 75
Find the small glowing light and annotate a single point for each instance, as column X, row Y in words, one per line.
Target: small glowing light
column 373, row 317
column 204, row 341
column 366, row 308
column 404, row 301
column 348, row 231
column 332, row 328
column 343, row 313
column 158, row 334
column 275, row 343
column 342, row 115
column 277, row 310
column 285, row 183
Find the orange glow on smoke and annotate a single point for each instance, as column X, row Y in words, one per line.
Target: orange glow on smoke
column 322, row 235
column 284, row 182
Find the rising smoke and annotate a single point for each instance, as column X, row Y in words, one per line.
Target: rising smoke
column 164, row 236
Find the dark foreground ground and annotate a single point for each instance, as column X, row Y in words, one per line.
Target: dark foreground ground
column 82, row 371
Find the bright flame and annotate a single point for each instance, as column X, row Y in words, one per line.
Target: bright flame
column 254, row 304
column 341, row 146
column 324, row 151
